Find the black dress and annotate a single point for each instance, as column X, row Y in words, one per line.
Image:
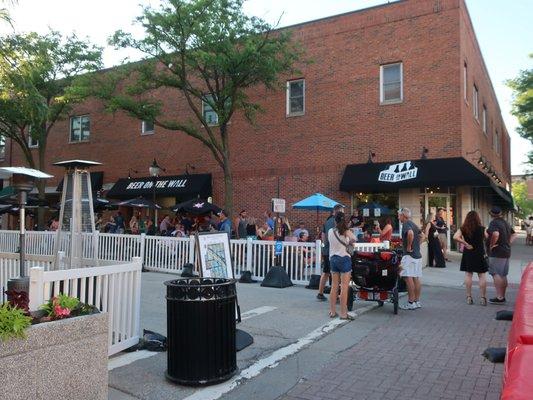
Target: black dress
column 435, row 249
column 474, row 260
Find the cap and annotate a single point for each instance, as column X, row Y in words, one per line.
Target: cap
column 495, row 211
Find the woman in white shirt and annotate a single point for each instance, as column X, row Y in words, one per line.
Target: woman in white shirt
column 341, row 265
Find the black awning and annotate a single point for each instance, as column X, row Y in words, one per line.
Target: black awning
column 171, row 186
column 389, row 177
column 97, row 180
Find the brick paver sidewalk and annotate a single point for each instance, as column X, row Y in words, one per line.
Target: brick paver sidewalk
column 426, row 354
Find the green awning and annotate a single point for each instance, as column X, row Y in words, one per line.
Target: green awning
column 7, row 192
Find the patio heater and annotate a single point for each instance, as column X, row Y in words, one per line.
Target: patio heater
column 23, row 180
column 76, row 216
column 154, row 171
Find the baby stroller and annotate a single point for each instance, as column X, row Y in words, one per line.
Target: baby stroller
column 375, row 277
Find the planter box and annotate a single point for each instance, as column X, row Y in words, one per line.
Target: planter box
column 64, row 359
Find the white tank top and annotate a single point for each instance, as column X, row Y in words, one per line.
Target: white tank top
column 336, row 248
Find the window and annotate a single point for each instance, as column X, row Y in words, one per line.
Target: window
column 32, row 143
column 475, row 103
column 296, row 97
column 147, row 127
column 496, row 142
column 391, row 87
column 484, row 120
column 2, row 147
column 465, row 81
column 79, row 128
column 210, row 116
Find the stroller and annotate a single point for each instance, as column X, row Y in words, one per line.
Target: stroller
column 375, row 277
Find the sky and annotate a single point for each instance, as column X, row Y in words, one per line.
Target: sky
column 503, row 29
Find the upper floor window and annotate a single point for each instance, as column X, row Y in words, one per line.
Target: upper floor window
column 475, row 102
column 391, row 83
column 210, row 116
column 465, row 81
column 484, row 120
column 296, row 97
column 496, row 142
column 80, row 128
column 147, row 127
column 32, row 143
column 2, row 147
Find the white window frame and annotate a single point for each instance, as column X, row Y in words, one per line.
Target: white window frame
column 203, row 111
column 394, row 101
column 143, row 129
column 31, row 144
column 288, row 99
column 70, row 129
column 496, row 141
column 2, row 147
column 484, row 119
column 465, row 81
column 475, row 102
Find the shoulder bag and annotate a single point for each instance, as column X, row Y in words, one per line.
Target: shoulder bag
column 350, row 248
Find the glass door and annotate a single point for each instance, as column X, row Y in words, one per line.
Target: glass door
column 436, row 202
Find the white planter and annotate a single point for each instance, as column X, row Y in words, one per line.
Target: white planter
column 65, row 359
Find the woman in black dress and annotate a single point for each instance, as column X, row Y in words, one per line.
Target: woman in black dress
column 435, row 255
column 472, row 237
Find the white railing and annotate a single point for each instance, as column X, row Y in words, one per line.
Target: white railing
column 169, row 254
column 115, row 290
column 9, row 266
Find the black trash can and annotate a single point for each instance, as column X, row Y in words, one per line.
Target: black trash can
column 201, row 330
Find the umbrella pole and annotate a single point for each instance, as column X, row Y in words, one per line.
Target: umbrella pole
column 317, row 216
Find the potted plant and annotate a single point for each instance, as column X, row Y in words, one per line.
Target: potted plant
column 57, row 352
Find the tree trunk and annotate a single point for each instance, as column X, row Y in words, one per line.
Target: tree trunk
column 228, row 189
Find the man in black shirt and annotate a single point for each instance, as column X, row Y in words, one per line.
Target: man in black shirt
column 501, row 235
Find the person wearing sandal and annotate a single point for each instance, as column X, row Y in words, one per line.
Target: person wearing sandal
column 340, row 262
column 472, row 235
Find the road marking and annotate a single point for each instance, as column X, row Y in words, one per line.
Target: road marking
column 127, row 358
column 256, row 311
column 271, row 361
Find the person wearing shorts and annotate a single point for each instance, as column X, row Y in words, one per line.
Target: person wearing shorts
column 340, row 262
column 501, row 235
column 326, row 271
column 411, row 266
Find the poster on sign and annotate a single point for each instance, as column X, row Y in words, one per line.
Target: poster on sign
column 366, row 212
column 215, row 256
column 377, row 212
column 278, row 206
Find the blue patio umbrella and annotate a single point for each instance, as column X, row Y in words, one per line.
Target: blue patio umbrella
column 316, row 202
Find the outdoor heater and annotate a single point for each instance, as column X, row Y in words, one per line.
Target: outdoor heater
column 23, row 180
column 76, row 216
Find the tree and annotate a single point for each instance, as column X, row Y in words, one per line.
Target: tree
column 208, row 52
column 39, row 85
column 525, row 206
column 523, row 104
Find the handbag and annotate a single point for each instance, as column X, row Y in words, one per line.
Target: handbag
column 350, row 248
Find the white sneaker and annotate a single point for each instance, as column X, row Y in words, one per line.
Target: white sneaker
column 417, row 304
column 408, row 306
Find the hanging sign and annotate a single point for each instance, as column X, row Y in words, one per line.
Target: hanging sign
column 278, row 206
column 377, row 212
column 399, row 172
column 278, row 248
column 366, row 212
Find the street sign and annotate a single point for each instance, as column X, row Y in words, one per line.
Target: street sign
column 278, row 206
column 278, row 248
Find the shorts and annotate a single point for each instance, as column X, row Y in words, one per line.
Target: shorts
column 411, row 267
column 341, row 264
column 325, row 265
column 498, row 266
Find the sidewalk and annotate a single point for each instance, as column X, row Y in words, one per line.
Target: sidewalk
column 432, row 353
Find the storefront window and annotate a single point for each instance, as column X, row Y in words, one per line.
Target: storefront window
column 377, row 207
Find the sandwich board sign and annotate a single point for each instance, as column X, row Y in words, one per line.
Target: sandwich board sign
column 278, row 206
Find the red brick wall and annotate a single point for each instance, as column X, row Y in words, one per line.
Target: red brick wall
column 473, row 136
column 343, row 118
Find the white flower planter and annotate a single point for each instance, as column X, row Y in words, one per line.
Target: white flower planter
column 64, row 359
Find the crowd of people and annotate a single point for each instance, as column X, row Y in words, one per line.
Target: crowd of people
column 483, row 250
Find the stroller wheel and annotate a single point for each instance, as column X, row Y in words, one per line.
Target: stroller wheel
column 350, row 298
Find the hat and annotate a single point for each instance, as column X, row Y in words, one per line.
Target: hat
column 495, row 211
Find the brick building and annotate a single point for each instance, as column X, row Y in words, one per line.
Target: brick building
column 405, row 81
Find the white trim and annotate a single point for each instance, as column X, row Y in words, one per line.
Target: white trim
column 288, row 99
column 70, row 128
column 475, row 102
column 465, row 81
column 143, row 129
column 381, row 94
column 484, row 119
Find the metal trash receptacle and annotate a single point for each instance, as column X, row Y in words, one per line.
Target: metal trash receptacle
column 201, row 330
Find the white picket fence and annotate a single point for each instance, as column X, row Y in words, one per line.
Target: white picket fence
column 169, row 254
column 115, row 290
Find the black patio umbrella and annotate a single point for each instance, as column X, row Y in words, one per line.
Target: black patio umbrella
column 140, row 202
column 196, row 207
column 98, row 204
